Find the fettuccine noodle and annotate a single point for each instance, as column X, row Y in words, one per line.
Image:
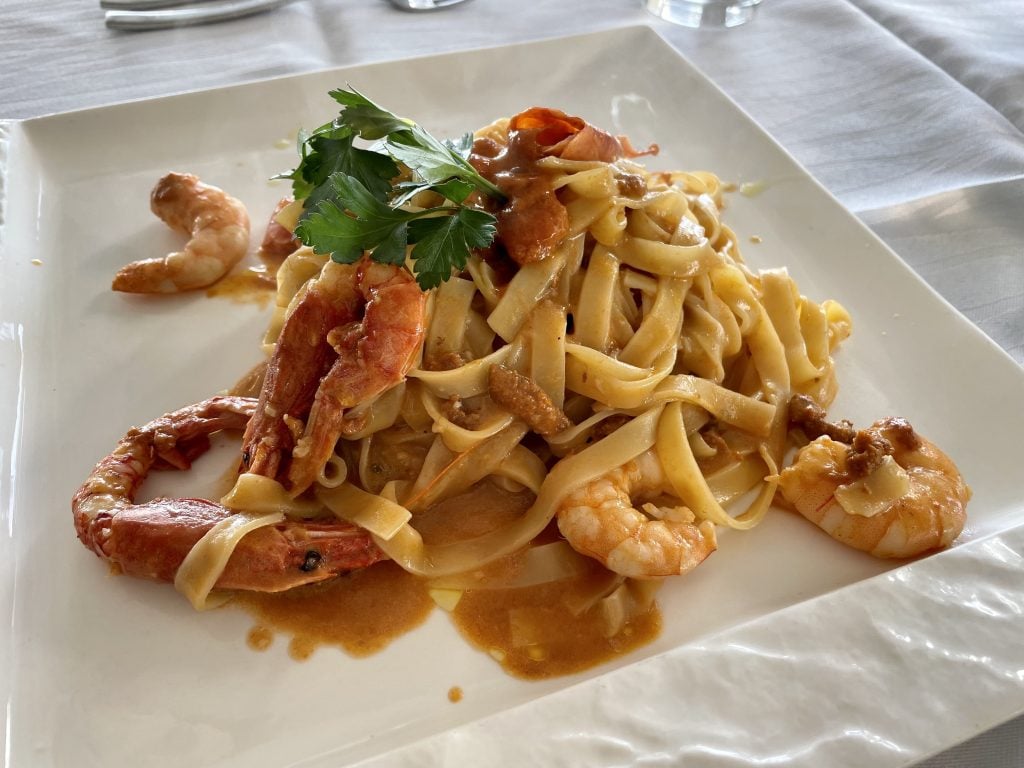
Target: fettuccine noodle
column 643, row 331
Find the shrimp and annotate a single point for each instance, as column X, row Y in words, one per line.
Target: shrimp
column 573, row 138
column 151, row 540
column 903, row 496
column 301, row 357
column 533, row 221
column 599, row 520
column 218, row 224
column 373, row 355
column 278, row 241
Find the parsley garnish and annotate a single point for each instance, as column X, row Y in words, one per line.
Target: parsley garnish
column 352, row 203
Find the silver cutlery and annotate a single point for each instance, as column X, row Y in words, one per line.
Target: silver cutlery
column 137, row 15
column 145, row 5
column 424, row 5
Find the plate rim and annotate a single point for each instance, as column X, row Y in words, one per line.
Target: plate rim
column 623, row 31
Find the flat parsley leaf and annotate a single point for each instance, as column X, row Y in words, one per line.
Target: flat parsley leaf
column 431, row 160
column 353, row 204
column 352, row 221
column 366, row 118
column 455, row 190
column 443, row 242
column 329, row 229
column 329, row 156
column 461, row 146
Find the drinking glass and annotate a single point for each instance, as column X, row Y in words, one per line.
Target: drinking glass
column 704, row 13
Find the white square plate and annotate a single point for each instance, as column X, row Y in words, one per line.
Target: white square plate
column 782, row 645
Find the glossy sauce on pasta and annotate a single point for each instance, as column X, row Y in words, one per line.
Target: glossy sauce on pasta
column 481, row 509
column 532, row 221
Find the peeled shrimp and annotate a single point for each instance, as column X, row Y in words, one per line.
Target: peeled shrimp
column 903, row 509
column 600, row 520
column 218, row 225
column 373, row 355
column 151, row 540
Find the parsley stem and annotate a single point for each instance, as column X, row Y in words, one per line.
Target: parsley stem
column 493, row 190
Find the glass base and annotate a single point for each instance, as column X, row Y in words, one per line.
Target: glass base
column 704, row 13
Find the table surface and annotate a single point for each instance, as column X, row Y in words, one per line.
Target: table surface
column 910, row 111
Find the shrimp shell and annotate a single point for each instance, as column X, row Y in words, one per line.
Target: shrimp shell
column 373, row 354
column 151, row 540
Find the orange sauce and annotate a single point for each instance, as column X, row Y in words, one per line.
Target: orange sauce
column 260, row 638
column 253, row 285
column 532, row 632
column 483, row 508
column 455, row 694
column 360, row 613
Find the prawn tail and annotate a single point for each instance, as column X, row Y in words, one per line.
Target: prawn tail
column 145, row 276
column 110, row 486
column 708, row 541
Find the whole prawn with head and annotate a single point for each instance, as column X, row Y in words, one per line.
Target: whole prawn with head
column 152, row 540
column 356, row 332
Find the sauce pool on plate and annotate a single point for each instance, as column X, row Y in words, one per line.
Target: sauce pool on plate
column 535, row 632
column 360, row 613
column 253, row 285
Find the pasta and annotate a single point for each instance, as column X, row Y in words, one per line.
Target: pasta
column 668, row 331
column 611, row 358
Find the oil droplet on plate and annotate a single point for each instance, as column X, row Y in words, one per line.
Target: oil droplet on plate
column 455, row 694
column 260, row 638
column 301, row 648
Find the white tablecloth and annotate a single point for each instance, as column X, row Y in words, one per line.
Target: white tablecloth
column 910, row 111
